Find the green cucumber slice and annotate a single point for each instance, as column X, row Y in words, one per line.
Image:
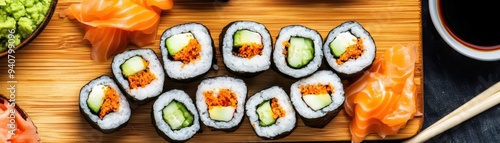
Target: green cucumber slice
column 317, row 102
column 340, row 44
column 187, row 115
column 221, row 113
column 300, row 52
column 133, row 65
column 96, row 98
column 188, row 122
column 265, row 114
column 173, row 116
column 242, row 37
column 175, row 43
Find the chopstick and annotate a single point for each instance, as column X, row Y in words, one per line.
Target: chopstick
column 474, row 101
column 485, row 100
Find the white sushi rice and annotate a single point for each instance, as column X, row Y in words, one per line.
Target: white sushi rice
column 351, row 66
column 282, row 124
column 177, row 69
column 165, row 99
column 237, row 86
column 154, row 88
column 323, row 77
column 255, row 64
column 279, row 59
column 113, row 119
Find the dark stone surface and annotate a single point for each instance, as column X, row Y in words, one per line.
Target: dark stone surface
column 450, row 80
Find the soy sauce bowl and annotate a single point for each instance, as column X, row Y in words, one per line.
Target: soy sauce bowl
column 36, row 32
column 461, row 45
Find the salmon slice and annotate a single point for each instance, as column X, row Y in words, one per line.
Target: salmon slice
column 140, row 38
column 122, row 14
column 383, row 99
column 110, row 25
column 156, row 5
column 106, row 42
column 359, row 84
column 25, row 132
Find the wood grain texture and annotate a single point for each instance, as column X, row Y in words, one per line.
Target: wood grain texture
column 52, row 69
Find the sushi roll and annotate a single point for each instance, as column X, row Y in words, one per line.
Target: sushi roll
column 246, row 48
column 103, row 105
column 140, row 74
column 220, row 102
column 297, row 51
column 349, row 49
column 318, row 98
column 174, row 116
column 188, row 51
column 271, row 113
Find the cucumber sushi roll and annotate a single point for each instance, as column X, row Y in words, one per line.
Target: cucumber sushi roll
column 139, row 73
column 103, row 105
column 246, row 48
column 349, row 49
column 220, row 102
column 318, row 98
column 174, row 116
column 271, row 113
column 187, row 51
column 297, row 51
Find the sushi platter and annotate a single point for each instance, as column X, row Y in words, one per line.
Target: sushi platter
column 56, row 73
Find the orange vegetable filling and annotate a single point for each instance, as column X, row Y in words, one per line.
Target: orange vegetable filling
column 285, row 50
column 141, row 79
column 224, row 98
column 189, row 53
column 352, row 52
column 249, row 50
column 277, row 109
column 111, row 102
column 315, row 89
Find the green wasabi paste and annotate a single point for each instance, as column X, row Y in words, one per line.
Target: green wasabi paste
column 18, row 20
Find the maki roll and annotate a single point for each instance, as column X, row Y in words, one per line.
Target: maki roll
column 103, row 105
column 174, row 116
column 187, row 51
column 271, row 113
column 246, row 48
column 349, row 49
column 297, row 51
column 318, row 98
column 220, row 102
column 139, row 73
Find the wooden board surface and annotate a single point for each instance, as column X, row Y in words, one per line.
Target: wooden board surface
column 52, row 69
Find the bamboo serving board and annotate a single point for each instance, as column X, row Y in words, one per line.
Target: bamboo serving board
column 52, row 69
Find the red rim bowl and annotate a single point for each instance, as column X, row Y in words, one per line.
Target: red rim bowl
column 467, row 49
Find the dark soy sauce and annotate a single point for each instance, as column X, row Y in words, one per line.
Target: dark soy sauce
column 475, row 21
